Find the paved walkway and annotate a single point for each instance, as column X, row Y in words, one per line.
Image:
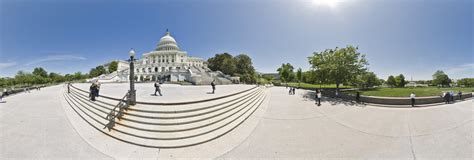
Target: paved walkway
column 34, row 126
column 294, row 127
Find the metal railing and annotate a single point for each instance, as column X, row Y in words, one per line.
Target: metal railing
column 117, row 112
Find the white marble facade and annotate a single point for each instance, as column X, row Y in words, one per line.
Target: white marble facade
column 167, row 63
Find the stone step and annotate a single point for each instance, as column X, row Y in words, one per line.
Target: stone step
column 150, row 139
column 168, row 115
column 176, row 110
column 171, row 125
column 174, row 133
column 153, row 108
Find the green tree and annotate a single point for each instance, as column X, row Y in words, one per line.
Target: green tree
column 391, row 81
column 367, row 79
column 222, row 62
column 339, row 65
column 244, row 68
column 56, row 78
column 97, row 71
column 285, row 72
column 440, row 79
column 466, row 82
column 400, row 81
column 382, row 81
column 40, row 72
column 299, row 75
column 78, row 76
column 113, row 66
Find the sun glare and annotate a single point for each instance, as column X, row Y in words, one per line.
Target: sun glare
column 327, row 3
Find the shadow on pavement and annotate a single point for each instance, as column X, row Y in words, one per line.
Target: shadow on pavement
column 310, row 96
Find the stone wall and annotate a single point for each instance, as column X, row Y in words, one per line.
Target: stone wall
column 402, row 100
column 331, row 92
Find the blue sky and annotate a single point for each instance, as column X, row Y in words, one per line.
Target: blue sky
column 413, row 37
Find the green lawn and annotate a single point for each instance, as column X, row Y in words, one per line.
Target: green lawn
column 405, row 92
column 313, row 86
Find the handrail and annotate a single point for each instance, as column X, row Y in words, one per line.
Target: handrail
column 122, row 105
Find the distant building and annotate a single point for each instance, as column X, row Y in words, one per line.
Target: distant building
column 414, row 84
column 167, row 63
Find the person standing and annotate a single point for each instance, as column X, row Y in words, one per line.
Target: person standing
column 294, row 90
column 446, row 97
column 213, row 86
column 412, row 97
column 93, row 91
column 451, row 94
column 358, row 97
column 68, row 87
column 460, row 95
column 319, row 95
column 3, row 94
column 289, row 91
column 316, row 96
column 158, row 88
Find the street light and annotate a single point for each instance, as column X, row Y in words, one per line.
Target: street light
column 131, row 92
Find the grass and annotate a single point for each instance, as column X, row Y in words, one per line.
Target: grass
column 405, row 92
column 314, row 86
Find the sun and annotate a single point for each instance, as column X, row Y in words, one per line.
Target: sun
column 327, row 3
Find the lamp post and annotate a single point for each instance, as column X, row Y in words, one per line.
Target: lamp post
column 131, row 92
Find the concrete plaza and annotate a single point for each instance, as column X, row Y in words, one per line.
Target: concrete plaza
column 38, row 125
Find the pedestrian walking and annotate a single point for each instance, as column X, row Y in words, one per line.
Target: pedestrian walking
column 289, row 91
column 412, row 97
column 294, row 90
column 213, row 86
column 158, row 88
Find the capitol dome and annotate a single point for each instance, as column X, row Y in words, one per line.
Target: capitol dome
column 167, row 43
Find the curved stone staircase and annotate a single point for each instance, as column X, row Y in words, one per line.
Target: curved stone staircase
column 168, row 125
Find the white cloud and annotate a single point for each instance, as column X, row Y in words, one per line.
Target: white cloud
column 7, row 64
column 56, row 58
column 469, row 67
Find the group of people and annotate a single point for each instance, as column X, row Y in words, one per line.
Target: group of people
column 158, row 88
column 292, row 91
column 94, row 90
column 448, row 97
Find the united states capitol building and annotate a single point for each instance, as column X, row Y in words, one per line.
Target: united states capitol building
column 167, row 63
